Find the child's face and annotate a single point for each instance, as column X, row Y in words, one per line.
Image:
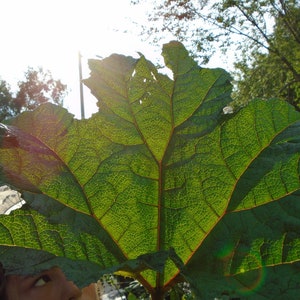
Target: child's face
column 48, row 285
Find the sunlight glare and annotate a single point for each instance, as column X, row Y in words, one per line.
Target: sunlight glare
column 49, row 29
column 51, row 33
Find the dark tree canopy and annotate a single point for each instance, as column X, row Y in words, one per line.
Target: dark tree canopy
column 6, row 101
column 37, row 87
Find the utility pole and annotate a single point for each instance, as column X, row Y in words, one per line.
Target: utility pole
column 81, row 86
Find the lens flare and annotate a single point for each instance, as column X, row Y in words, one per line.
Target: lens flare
column 244, row 271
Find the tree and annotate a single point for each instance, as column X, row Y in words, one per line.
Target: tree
column 240, row 26
column 266, row 76
column 7, row 107
column 159, row 184
column 38, row 87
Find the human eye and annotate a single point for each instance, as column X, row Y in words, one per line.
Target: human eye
column 42, row 280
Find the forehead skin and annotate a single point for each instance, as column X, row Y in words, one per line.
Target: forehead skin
column 56, row 287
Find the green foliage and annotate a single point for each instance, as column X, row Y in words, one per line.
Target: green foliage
column 206, row 25
column 262, row 35
column 266, row 75
column 38, row 87
column 159, row 184
column 6, row 101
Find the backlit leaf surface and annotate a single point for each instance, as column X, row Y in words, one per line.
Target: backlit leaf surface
column 159, row 170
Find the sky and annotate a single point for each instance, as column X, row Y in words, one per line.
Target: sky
column 50, row 33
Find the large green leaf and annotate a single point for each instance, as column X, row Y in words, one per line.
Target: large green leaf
column 159, row 170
